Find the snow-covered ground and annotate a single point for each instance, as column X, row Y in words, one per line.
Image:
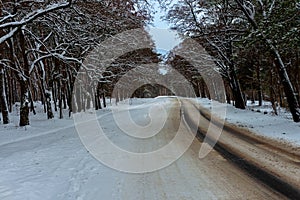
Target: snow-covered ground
column 40, row 125
column 47, row 160
column 262, row 121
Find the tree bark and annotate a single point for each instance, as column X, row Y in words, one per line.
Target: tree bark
column 23, row 79
column 24, row 108
column 48, row 103
column 3, row 100
column 272, row 99
column 236, row 90
column 103, row 99
column 32, row 109
column 60, row 96
column 289, row 93
column 259, row 90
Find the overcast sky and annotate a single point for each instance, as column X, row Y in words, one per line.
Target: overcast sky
column 164, row 38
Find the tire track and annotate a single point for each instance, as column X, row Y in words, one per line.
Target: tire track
column 268, row 160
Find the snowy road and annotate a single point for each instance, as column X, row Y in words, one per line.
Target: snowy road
column 57, row 166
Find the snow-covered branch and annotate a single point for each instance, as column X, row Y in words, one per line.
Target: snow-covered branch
column 271, row 7
column 7, row 17
column 249, row 11
column 35, row 14
column 8, row 35
column 29, row 18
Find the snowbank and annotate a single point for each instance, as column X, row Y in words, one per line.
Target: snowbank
column 277, row 127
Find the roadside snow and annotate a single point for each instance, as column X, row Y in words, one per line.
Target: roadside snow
column 278, row 127
column 40, row 125
column 47, row 160
column 262, row 121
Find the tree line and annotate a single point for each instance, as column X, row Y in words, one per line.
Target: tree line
column 255, row 45
column 44, row 43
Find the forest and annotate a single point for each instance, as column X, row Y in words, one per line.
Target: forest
column 254, row 44
column 43, row 45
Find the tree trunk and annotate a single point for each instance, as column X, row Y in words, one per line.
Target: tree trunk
column 117, row 97
column 289, row 91
column 46, row 93
column 103, row 99
column 24, row 108
column 23, row 79
column 272, row 99
column 99, row 99
column 54, row 95
column 88, row 101
column 259, row 90
column 11, row 100
column 196, row 88
column 78, row 94
column 31, row 102
column 64, row 100
column 96, row 102
column 228, row 100
column 202, row 88
column 3, row 100
column 236, row 90
column 60, row 96
column 285, row 80
column 48, row 103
